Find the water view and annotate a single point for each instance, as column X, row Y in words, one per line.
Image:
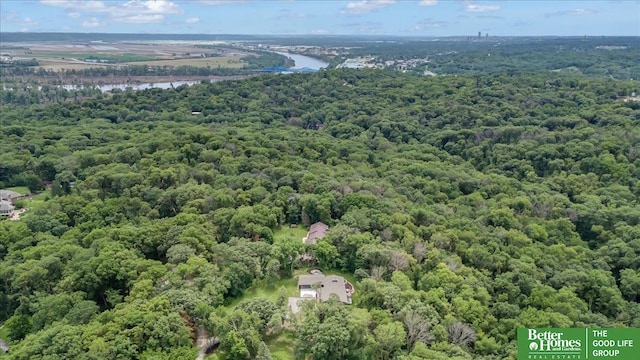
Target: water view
column 303, row 61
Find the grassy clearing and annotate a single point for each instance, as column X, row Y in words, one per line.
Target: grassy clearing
column 281, row 346
column 37, row 202
column 4, row 333
column 20, row 189
column 265, row 291
column 287, row 232
column 214, row 62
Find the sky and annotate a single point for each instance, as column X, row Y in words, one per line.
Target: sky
column 326, row 17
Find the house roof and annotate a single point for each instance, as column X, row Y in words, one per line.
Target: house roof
column 310, row 279
column 329, row 284
column 9, row 194
column 6, row 205
column 316, row 231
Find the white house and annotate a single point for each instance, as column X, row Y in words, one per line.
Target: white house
column 6, row 208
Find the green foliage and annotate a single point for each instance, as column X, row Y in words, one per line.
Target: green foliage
column 465, row 206
column 18, row 326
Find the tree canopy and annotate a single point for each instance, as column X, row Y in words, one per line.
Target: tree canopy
column 466, row 206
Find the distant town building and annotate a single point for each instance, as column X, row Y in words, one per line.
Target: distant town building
column 6, row 58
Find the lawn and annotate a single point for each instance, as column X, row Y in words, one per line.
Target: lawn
column 281, row 346
column 287, row 232
column 265, row 291
column 36, row 202
column 20, row 189
column 4, row 333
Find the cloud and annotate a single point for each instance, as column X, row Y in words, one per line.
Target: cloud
column 77, row 5
column 364, row 27
column 193, row 20
column 29, row 21
column 288, row 14
column 365, row 6
column 428, row 24
column 136, row 8
column 361, row 24
column 133, row 11
column 140, row 19
column 471, row 6
column 574, row 12
column 91, row 23
column 220, row 2
column 495, row 17
column 320, row 32
column 74, row 15
column 428, row 3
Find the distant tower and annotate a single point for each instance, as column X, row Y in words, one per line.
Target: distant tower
column 486, row 35
column 479, row 34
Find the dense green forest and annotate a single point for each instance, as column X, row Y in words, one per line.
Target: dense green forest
column 465, row 207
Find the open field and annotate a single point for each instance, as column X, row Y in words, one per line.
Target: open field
column 75, row 55
column 266, row 291
column 38, row 201
column 225, row 61
column 110, row 57
column 58, row 65
column 286, row 232
column 214, row 62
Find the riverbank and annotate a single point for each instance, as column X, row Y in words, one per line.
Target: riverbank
column 113, row 80
column 305, row 61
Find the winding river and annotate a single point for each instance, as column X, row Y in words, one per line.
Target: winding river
column 301, row 61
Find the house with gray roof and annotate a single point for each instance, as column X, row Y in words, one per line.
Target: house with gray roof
column 316, row 232
column 321, row 287
column 6, row 208
column 10, row 195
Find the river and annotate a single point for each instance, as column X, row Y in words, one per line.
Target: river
column 303, row 61
column 143, row 86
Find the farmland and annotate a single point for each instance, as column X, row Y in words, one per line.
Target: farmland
column 78, row 56
column 225, row 61
column 130, row 62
